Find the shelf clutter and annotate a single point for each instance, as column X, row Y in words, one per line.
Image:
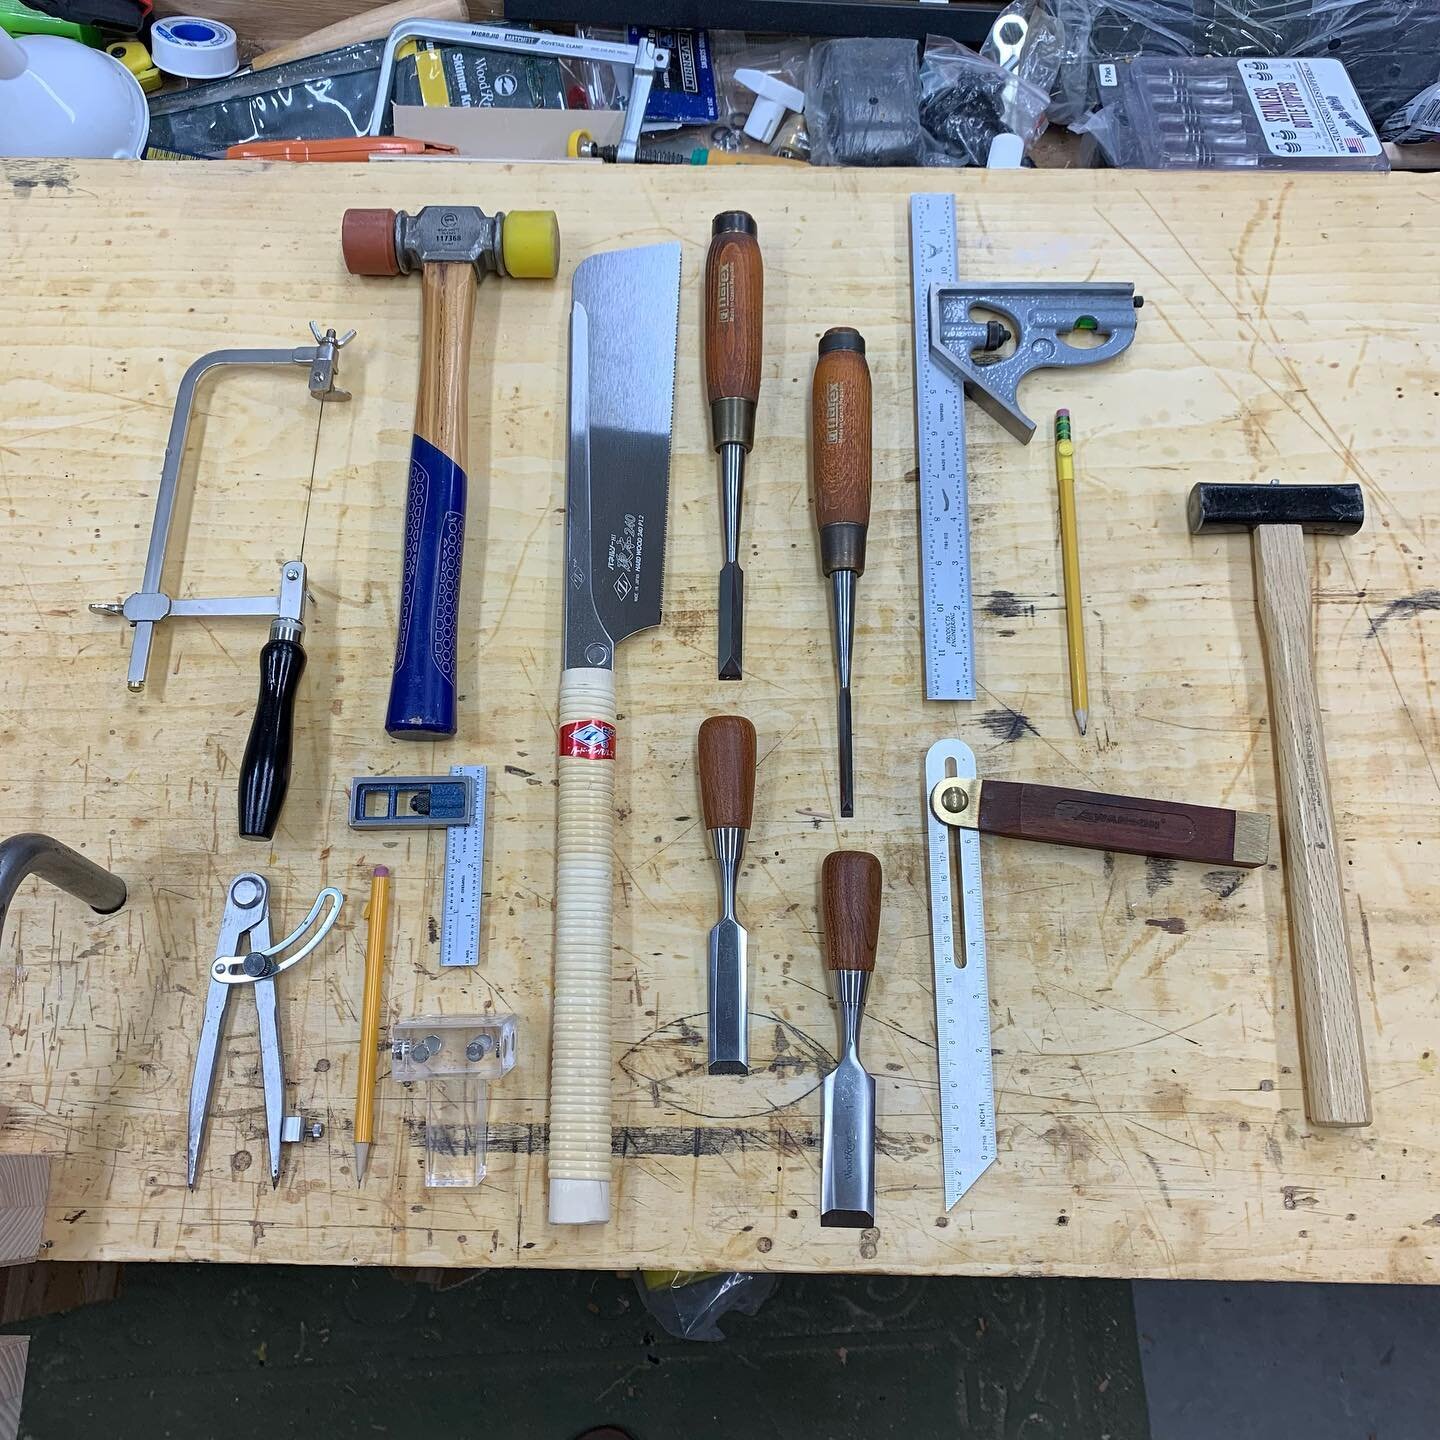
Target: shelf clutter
column 1154, row 84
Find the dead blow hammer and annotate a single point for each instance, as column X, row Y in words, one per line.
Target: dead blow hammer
column 453, row 247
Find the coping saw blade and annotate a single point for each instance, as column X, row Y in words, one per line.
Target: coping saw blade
column 962, row 990
column 464, row 880
column 943, row 487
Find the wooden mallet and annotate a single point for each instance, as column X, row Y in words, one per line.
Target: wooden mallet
column 1277, row 516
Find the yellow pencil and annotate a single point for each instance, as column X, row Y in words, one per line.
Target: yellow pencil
column 370, row 1020
column 1070, row 560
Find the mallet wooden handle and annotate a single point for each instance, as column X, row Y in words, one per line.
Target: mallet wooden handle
column 1336, row 1089
column 850, row 897
column 727, row 771
column 422, row 689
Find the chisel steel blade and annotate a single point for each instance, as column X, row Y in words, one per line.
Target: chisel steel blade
column 847, row 1157
column 729, row 1048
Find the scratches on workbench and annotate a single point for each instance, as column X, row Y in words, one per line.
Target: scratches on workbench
column 1406, row 608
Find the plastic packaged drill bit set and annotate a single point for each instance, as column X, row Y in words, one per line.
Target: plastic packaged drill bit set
column 1252, row 113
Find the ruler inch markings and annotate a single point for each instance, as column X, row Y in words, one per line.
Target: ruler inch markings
column 962, row 992
column 464, row 889
column 946, row 609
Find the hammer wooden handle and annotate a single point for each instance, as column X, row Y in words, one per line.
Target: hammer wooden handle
column 1336, row 1089
column 422, row 688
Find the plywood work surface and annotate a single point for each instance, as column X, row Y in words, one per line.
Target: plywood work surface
column 1148, row 1091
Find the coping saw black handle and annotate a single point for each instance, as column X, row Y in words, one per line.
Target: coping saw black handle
column 265, row 770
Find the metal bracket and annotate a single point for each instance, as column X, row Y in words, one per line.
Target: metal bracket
column 1042, row 316
column 261, row 964
column 150, row 604
column 645, row 60
column 421, row 802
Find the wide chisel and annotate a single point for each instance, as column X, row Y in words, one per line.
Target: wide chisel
column 734, row 301
column 624, row 328
column 850, row 899
column 727, row 796
column 840, row 437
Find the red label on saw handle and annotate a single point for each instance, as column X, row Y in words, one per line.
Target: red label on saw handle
column 587, row 740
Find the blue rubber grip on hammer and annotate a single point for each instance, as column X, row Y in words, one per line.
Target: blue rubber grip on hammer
column 422, row 689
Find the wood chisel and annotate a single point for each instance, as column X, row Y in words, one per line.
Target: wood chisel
column 624, row 328
column 850, row 898
column 726, row 748
column 958, row 803
column 840, row 441
column 960, row 353
column 734, row 316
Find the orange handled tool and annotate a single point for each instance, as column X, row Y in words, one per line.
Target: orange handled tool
column 840, row 436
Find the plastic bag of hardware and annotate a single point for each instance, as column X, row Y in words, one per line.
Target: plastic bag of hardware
column 321, row 97
column 690, row 1303
column 967, row 100
column 1388, row 46
column 1416, row 122
column 862, row 103
column 1252, row 114
column 778, row 64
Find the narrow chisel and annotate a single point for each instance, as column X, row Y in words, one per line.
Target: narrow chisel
column 734, row 300
column 727, row 794
column 840, row 434
column 850, row 886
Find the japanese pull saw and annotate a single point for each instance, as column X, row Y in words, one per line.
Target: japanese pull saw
column 624, row 329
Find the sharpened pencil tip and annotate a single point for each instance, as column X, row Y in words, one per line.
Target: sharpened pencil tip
column 1082, row 719
column 362, row 1162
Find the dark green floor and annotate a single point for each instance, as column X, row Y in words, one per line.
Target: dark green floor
column 213, row 1352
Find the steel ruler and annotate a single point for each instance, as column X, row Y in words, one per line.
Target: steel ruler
column 464, row 880
column 405, row 802
column 962, row 986
column 944, row 494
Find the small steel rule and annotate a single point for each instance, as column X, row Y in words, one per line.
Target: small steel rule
column 962, row 987
column 944, row 496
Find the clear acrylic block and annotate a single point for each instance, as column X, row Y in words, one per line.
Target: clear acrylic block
column 456, row 1058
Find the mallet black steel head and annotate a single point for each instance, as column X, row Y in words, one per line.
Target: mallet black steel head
column 1325, row 509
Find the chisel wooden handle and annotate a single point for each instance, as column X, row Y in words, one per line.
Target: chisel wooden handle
column 1167, row 829
column 422, row 688
column 734, row 309
column 850, row 897
column 580, row 1062
column 1337, row 1091
column 727, row 771
column 840, row 435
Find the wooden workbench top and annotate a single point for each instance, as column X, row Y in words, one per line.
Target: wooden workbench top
column 1148, row 1090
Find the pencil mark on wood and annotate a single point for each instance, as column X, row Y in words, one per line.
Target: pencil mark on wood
column 1222, row 883
column 1006, row 605
column 1405, row 608
column 1158, row 874
column 1170, row 924
column 1007, row 725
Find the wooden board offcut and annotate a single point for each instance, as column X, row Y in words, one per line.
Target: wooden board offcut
column 1148, row 1092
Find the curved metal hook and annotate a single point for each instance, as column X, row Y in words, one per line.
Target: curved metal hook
column 259, row 964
